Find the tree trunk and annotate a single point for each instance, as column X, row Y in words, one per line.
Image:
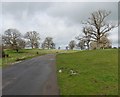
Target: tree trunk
column 88, row 46
column 98, row 43
column 32, row 46
column 48, row 47
column 98, row 40
column 17, row 50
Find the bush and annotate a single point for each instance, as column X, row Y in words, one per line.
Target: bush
column 7, row 55
column 37, row 53
column 114, row 47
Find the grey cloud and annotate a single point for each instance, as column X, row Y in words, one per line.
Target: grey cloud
column 75, row 11
column 17, row 9
column 14, row 7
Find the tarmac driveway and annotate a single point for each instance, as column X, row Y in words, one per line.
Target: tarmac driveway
column 36, row 76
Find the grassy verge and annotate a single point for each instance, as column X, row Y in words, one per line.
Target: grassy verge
column 26, row 54
column 95, row 72
column 0, row 62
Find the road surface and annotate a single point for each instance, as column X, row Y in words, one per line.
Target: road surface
column 36, row 76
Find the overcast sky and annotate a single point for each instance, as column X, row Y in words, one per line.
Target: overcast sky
column 59, row 20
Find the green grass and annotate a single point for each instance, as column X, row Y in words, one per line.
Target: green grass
column 26, row 54
column 97, row 72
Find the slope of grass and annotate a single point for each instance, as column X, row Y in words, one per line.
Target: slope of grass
column 26, row 54
column 96, row 72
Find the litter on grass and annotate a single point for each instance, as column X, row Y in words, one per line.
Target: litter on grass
column 60, row 71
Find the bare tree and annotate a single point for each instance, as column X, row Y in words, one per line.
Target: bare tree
column 33, row 39
column 93, row 45
column 12, row 39
column 67, row 47
column 48, row 43
column 81, row 44
column 43, row 45
column 72, row 44
column 53, row 46
column 21, row 43
column 97, row 26
column 84, row 41
column 104, row 43
column 59, row 48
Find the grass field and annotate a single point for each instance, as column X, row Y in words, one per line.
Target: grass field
column 95, row 72
column 26, row 54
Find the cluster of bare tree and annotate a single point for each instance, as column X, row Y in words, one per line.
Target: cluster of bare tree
column 95, row 32
column 13, row 39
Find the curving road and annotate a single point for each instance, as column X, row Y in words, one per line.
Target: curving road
column 36, row 76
